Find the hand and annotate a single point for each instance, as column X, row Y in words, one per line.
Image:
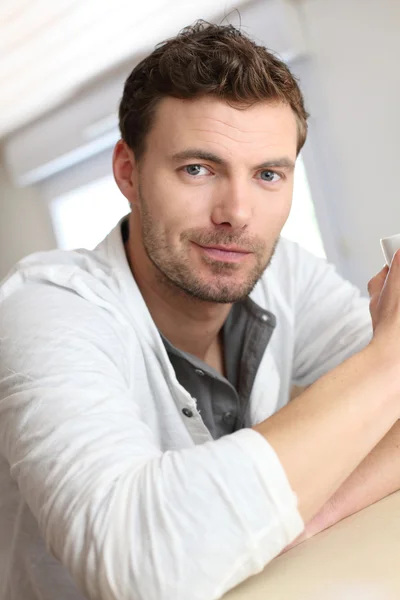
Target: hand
column 384, row 291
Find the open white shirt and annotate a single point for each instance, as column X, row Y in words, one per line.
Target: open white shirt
column 99, row 466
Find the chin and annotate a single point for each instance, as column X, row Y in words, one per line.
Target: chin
column 223, row 292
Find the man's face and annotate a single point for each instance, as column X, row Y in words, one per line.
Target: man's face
column 214, row 189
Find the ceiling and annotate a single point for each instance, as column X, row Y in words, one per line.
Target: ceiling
column 50, row 49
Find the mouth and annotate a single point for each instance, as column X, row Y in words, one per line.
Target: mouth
column 232, row 254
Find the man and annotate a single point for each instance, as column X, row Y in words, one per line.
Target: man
column 148, row 446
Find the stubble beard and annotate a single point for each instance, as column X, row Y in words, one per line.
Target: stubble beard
column 178, row 276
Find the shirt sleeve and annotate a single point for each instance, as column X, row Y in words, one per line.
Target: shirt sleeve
column 126, row 519
column 332, row 319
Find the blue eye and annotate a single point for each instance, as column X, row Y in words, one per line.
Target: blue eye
column 269, row 176
column 194, row 170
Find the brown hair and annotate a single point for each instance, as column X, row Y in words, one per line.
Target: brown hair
column 206, row 59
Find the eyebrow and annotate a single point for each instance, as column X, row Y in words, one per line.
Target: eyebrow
column 198, row 154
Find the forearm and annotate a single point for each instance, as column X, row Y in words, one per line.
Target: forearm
column 375, row 478
column 335, row 422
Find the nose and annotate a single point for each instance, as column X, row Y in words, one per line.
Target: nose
column 232, row 204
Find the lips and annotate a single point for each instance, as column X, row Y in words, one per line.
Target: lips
column 226, row 254
column 226, row 249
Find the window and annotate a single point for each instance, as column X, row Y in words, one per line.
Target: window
column 83, row 217
column 302, row 226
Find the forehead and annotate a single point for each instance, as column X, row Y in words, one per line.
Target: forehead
column 264, row 129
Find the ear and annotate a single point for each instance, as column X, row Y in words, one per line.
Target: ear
column 125, row 171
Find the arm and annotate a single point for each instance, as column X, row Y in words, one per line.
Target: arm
column 325, row 433
column 376, row 477
column 126, row 518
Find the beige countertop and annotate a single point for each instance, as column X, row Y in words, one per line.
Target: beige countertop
column 356, row 559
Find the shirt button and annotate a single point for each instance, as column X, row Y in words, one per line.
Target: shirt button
column 187, row 412
column 264, row 318
column 199, row 372
column 228, row 417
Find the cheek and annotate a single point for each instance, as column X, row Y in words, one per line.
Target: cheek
column 184, row 207
column 169, row 218
column 274, row 213
column 171, row 200
column 281, row 208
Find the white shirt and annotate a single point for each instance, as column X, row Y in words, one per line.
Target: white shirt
column 99, row 466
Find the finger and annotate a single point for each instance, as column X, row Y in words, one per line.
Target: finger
column 376, row 284
column 393, row 279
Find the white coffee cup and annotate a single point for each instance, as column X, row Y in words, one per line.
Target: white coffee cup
column 389, row 247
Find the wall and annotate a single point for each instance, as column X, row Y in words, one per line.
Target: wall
column 25, row 225
column 354, row 46
column 345, row 53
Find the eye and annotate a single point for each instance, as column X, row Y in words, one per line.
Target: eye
column 195, row 170
column 270, row 176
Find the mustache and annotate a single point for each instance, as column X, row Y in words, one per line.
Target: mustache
column 207, row 238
